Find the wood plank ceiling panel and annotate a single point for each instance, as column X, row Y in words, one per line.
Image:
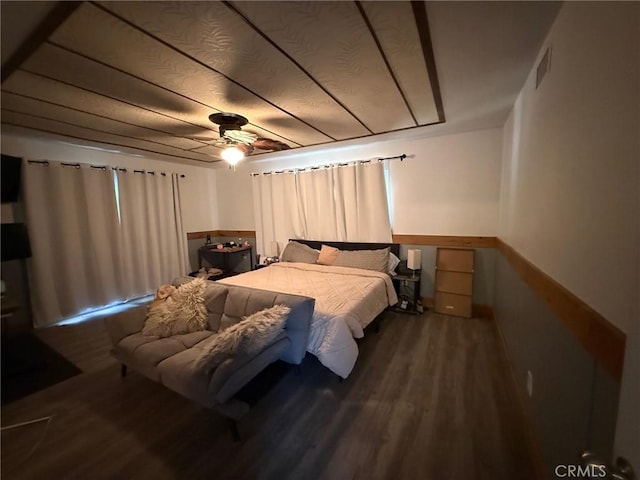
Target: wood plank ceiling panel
column 34, row 122
column 213, row 33
column 333, row 43
column 36, row 86
column 63, row 114
column 70, row 67
column 74, row 69
column 303, row 73
column 100, row 35
column 396, row 29
column 208, row 150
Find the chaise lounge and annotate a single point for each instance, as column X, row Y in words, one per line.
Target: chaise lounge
column 173, row 360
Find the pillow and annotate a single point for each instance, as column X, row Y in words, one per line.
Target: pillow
column 247, row 337
column 327, row 255
column 215, row 296
column 299, row 252
column 182, row 311
column 376, row 260
column 393, row 263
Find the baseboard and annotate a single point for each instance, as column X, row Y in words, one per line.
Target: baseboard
column 478, row 310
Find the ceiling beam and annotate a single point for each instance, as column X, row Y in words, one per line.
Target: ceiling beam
column 422, row 22
column 52, row 21
column 385, row 59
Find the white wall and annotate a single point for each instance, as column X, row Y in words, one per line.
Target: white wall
column 198, row 188
column 571, row 153
column 449, row 185
column 235, row 198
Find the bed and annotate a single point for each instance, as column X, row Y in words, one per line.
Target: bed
column 347, row 299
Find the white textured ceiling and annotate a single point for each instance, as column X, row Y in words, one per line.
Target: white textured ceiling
column 145, row 76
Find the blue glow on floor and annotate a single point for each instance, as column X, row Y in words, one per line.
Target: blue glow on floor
column 106, row 310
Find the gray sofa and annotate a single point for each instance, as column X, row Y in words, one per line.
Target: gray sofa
column 170, row 360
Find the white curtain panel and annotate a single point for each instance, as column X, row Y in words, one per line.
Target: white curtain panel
column 342, row 203
column 345, row 203
column 151, row 231
column 276, row 211
column 181, row 234
column 73, row 227
column 361, row 202
column 323, row 218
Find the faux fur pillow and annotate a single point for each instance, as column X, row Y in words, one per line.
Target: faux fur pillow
column 247, row 337
column 183, row 311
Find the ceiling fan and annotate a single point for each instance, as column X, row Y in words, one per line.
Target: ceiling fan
column 239, row 142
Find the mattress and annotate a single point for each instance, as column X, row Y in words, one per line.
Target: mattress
column 347, row 300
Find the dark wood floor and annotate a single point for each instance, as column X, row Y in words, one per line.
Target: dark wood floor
column 430, row 398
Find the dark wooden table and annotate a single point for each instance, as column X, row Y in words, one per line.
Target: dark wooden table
column 219, row 257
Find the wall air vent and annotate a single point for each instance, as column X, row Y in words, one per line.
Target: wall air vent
column 543, row 67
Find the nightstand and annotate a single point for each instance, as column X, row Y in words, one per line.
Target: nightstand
column 412, row 302
column 221, row 257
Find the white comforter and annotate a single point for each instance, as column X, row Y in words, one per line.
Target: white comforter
column 347, row 300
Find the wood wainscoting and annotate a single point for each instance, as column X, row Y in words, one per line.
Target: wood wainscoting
column 446, row 240
column 603, row 340
column 406, row 239
column 222, row 233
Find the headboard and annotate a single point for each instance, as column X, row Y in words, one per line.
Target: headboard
column 393, row 247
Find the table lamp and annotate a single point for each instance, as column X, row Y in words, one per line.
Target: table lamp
column 275, row 249
column 414, row 260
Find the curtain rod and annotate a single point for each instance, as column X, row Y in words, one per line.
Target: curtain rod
column 400, row 157
column 102, row 167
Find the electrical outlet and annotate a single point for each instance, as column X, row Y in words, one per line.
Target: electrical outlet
column 529, row 383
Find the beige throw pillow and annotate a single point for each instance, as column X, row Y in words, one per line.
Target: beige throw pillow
column 299, row 252
column 376, row 260
column 327, row 255
column 247, row 337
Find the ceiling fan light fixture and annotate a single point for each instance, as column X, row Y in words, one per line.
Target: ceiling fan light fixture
column 232, row 155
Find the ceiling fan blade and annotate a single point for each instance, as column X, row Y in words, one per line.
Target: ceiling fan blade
column 270, row 144
column 246, row 149
column 231, row 133
column 202, row 139
column 240, row 136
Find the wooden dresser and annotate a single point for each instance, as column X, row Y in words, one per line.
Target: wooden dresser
column 454, row 281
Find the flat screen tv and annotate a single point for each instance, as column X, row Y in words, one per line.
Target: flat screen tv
column 10, row 168
column 15, row 241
